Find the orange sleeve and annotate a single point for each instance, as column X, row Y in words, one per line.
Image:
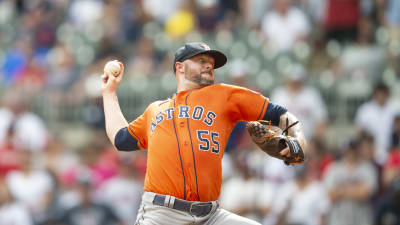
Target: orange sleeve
column 138, row 130
column 245, row 104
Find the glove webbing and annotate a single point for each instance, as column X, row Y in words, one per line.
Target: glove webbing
column 285, row 131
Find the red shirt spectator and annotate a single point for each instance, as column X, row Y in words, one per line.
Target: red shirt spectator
column 9, row 159
column 341, row 19
column 342, row 14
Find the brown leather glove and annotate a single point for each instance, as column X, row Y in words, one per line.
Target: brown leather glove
column 271, row 142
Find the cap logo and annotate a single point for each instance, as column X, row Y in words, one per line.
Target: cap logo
column 206, row 47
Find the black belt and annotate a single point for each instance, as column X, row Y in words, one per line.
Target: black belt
column 194, row 208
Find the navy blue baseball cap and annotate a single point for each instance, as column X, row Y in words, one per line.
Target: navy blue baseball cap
column 195, row 48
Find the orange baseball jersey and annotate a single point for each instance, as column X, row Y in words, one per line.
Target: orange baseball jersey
column 185, row 137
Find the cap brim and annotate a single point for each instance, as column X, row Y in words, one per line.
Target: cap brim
column 219, row 57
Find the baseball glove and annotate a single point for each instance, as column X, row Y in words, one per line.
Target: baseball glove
column 271, row 142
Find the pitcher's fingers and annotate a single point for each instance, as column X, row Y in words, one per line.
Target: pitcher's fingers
column 122, row 67
column 104, row 77
column 121, row 74
column 112, row 78
column 285, row 152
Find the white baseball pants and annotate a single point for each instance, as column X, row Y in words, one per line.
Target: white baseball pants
column 150, row 214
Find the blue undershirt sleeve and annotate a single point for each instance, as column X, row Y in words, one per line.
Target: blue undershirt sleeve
column 124, row 141
column 273, row 113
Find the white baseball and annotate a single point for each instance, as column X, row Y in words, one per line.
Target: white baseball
column 112, row 67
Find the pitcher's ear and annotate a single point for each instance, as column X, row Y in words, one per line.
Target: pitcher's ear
column 180, row 66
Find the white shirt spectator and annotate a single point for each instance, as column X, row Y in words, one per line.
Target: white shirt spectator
column 307, row 104
column 304, row 206
column 348, row 211
column 277, row 174
column 276, row 171
column 14, row 214
column 282, row 31
column 30, row 130
column 86, row 12
column 378, row 120
column 123, row 196
column 30, row 189
column 161, row 11
column 238, row 193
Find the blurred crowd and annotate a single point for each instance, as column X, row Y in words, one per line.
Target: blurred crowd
column 335, row 64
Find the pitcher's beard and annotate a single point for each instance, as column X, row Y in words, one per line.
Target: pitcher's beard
column 200, row 80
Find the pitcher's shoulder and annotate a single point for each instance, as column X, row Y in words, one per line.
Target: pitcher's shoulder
column 158, row 103
column 231, row 87
column 224, row 86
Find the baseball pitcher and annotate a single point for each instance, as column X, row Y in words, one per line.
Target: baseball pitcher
column 185, row 137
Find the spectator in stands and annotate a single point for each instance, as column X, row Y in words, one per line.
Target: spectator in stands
column 276, row 172
column 208, row 15
column 88, row 211
column 63, row 70
column 132, row 17
column 181, row 22
column 9, row 155
column 160, row 11
column 12, row 212
column 253, row 11
column 58, row 158
column 367, row 153
column 283, row 26
column 304, row 100
column 123, row 192
column 31, row 186
column 351, row 182
column 365, row 32
column 376, row 117
column 319, row 158
column 29, row 129
column 32, row 77
column 253, row 196
column 315, row 10
column 239, row 74
column 301, row 201
column 393, row 15
column 367, row 146
column 16, row 59
column 143, row 60
column 395, row 136
column 391, row 168
column 388, row 209
column 341, row 20
column 85, row 13
column 96, row 161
